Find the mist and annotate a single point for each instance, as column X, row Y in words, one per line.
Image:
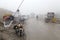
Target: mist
column 32, row 6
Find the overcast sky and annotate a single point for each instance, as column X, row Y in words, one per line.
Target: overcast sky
column 29, row 6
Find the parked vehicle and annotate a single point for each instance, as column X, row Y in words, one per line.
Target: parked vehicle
column 50, row 16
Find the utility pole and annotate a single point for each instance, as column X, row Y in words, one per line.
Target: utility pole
column 17, row 13
column 19, row 7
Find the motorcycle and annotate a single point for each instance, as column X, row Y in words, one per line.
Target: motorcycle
column 20, row 32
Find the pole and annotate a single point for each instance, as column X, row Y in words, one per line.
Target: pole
column 19, row 7
column 20, row 4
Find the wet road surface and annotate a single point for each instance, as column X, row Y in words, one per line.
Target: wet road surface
column 36, row 30
column 39, row 30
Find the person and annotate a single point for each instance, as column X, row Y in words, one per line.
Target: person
column 37, row 17
column 16, row 29
column 19, row 29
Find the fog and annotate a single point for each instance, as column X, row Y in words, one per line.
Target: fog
column 29, row 6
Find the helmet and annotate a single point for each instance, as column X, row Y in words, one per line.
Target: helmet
column 19, row 25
